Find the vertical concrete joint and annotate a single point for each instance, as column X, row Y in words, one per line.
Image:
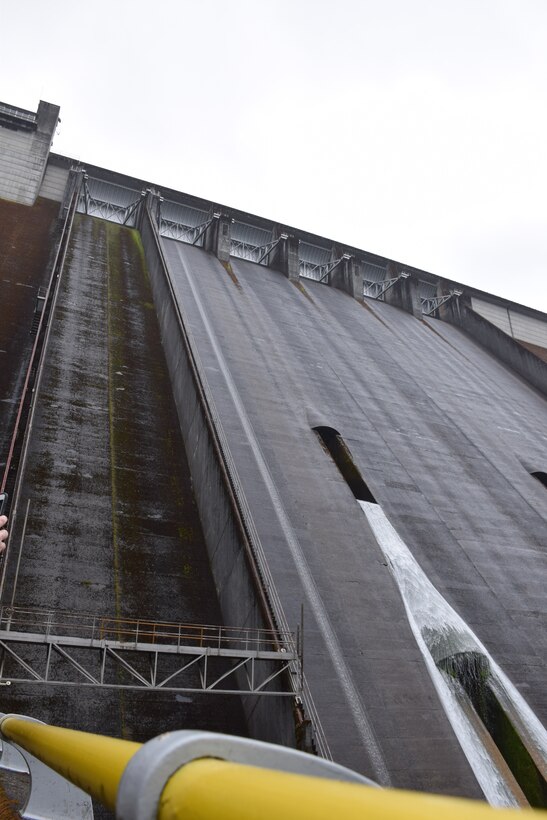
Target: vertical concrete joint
column 151, row 200
column 348, row 274
column 292, row 254
column 405, row 293
column 285, row 257
column 413, row 297
column 455, row 309
column 356, row 279
column 218, row 237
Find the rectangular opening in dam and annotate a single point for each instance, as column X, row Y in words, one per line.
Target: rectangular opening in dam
column 335, row 445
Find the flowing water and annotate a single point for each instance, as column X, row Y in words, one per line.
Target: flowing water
column 443, row 636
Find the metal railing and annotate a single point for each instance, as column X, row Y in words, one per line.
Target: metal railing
column 19, row 113
column 245, row 250
column 133, row 631
column 192, row 773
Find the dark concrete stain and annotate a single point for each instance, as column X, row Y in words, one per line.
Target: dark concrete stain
column 113, row 527
column 26, row 235
column 299, row 286
column 230, row 271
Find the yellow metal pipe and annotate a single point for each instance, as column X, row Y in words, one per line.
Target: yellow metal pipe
column 210, row 789
column 92, row 762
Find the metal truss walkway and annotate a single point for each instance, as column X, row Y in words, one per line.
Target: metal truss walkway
column 38, row 646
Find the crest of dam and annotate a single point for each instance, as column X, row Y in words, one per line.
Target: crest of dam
column 503, row 740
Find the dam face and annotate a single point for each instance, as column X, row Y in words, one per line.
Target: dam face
column 112, row 527
column 205, row 433
column 423, row 410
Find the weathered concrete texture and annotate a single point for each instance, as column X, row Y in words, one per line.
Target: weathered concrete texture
column 26, row 238
column 519, row 358
column 214, row 486
column 217, row 237
column 113, row 526
column 437, row 428
column 540, row 352
column 404, row 293
column 23, row 156
column 54, row 182
column 347, row 275
column 285, row 256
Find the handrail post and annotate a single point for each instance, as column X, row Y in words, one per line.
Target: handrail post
column 48, row 623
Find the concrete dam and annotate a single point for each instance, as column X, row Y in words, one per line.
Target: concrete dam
column 251, row 444
column 113, row 526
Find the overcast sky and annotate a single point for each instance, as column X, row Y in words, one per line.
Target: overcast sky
column 415, row 129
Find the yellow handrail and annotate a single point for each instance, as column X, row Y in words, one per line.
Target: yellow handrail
column 93, row 762
column 207, row 789
column 211, row 789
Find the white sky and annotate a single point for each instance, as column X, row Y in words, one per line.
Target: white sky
column 415, row 129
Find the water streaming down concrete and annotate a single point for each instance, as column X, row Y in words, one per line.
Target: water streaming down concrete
column 437, row 424
column 445, row 433
column 434, row 423
column 442, row 634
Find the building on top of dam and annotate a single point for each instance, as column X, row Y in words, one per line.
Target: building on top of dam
column 318, row 473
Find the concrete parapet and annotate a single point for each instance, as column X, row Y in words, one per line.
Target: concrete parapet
column 24, row 152
column 47, row 118
column 54, row 182
column 502, row 346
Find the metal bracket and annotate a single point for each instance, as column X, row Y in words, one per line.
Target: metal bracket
column 376, row 290
column 133, row 208
column 201, row 229
column 151, row 767
column 267, row 249
column 429, row 306
column 327, row 269
column 256, row 253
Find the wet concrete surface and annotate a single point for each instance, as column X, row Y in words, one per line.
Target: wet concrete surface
column 113, row 528
column 441, row 432
column 26, row 239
